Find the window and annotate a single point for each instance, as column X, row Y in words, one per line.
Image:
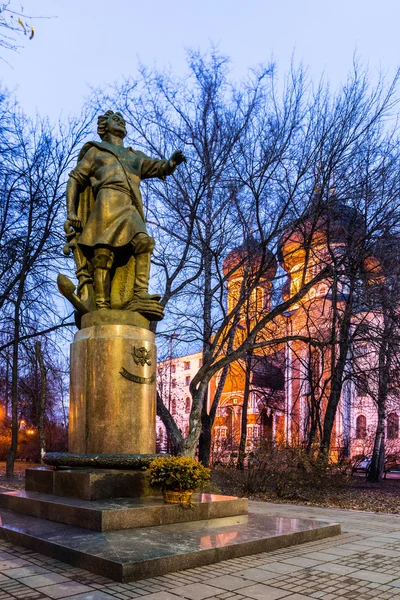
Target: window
column 234, row 293
column 361, row 427
column 393, row 426
column 187, row 380
column 187, row 404
column 173, row 383
column 361, row 350
column 362, row 384
column 173, row 368
column 259, row 299
column 220, row 433
column 173, row 406
column 186, row 365
column 314, row 367
column 250, row 432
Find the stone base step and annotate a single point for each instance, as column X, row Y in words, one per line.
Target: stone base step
column 121, row 513
column 129, row 555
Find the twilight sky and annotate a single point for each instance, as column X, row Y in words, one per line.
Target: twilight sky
column 95, row 42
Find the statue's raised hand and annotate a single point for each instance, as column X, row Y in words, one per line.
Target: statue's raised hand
column 177, row 158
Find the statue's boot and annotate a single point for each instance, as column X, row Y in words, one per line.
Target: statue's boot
column 142, row 275
column 102, row 263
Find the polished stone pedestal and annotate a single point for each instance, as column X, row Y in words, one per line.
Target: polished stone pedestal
column 133, row 554
column 89, row 484
column 112, row 388
column 121, row 513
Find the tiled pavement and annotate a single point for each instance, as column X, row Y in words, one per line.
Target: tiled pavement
column 362, row 564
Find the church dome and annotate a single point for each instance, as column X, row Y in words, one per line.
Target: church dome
column 250, row 257
column 329, row 221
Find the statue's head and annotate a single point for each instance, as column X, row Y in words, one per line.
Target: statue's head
column 111, row 122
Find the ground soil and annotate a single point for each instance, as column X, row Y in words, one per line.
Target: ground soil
column 357, row 494
column 18, row 481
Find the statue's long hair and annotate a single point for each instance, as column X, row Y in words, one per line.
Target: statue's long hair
column 102, row 122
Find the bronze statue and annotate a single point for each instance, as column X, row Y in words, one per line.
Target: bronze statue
column 105, row 225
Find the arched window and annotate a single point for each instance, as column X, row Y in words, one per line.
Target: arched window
column 187, row 404
column 361, row 427
column 393, row 426
column 173, row 406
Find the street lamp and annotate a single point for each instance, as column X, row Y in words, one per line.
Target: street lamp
column 173, row 336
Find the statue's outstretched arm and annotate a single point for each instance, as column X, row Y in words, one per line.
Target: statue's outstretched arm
column 152, row 167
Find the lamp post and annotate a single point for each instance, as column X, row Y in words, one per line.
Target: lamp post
column 172, row 337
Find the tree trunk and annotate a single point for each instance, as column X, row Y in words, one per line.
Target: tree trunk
column 174, row 435
column 377, row 467
column 243, row 429
column 205, row 438
column 337, row 373
column 207, row 420
column 42, row 401
column 14, row 386
column 378, row 456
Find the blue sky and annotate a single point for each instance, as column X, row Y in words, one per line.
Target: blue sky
column 96, row 42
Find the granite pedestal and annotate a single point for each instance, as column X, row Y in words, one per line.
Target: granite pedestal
column 129, row 555
column 89, row 484
column 130, row 538
column 121, row 513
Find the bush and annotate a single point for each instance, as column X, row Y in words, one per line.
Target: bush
column 177, row 473
column 290, row 473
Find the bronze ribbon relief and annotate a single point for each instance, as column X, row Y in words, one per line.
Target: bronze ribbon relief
column 142, row 357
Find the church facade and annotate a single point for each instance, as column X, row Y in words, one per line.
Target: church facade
column 286, row 386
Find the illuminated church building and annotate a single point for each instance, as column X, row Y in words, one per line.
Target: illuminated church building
column 289, row 381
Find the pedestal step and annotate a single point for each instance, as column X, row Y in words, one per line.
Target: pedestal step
column 89, row 483
column 121, row 513
column 151, row 551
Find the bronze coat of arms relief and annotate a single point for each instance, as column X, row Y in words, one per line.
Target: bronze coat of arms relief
column 141, row 357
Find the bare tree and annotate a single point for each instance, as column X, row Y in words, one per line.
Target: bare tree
column 36, row 159
column 254, row 159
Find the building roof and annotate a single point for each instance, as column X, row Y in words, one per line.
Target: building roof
column 251, row 257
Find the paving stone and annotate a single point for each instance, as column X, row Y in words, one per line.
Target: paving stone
column 298, row 597
column 44, row 579
column 161, row 596
column 26, row 571
column 259, row 591
column 302, row 562
column 280, row 567
column 197, row 591
column 334, row 568
column 321, row 556
column 228, row 582
column 63, row 590
column 12, row 563
column 372, row 576
column 93, row 595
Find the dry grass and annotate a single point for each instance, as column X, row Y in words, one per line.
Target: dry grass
column 357, row 494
